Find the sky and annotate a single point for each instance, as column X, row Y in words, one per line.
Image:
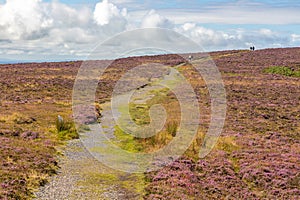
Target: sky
column 54, row 30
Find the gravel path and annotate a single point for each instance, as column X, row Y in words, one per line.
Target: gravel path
column 82, row 177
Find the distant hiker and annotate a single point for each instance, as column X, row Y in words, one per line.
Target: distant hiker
column 253, row 48
column 190, row 58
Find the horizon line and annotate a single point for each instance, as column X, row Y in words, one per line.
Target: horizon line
column 4, row 61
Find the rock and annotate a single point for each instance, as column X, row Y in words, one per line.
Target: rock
column 86, row 114
column 29, row 135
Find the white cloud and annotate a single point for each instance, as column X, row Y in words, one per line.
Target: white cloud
column 38, row 28
column 70, row 35
column 207, row 38
column 23, row 19
column 66, row 16
column 212, row 40
column 235, row 14
column 106, row 11
column 35, row 19
column 14, row 52
column 188, row 26
column 53, row 29
column 153, row 20
column 295, row 38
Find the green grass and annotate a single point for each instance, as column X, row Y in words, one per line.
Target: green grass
column 282, row 70
column 126, row 141
column 66, row 130
column 136, row 183
column 139, row 113
column 98, row 183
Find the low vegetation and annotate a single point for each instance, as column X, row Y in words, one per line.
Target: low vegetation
column 282, row 70
column 256, row 156
column 66, row 130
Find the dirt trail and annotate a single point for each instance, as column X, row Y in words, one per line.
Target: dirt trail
column 81, row 176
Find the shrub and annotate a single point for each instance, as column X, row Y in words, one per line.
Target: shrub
column 282, row 70
column 297, row 74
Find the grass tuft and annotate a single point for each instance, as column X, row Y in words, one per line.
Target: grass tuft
column 172, row 128
column 66, row 130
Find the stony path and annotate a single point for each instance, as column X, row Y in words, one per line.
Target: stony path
column 83, row 177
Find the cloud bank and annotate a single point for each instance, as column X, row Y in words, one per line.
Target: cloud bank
column 36, row 29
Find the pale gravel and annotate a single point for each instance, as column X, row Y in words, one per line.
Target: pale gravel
column 69, row 183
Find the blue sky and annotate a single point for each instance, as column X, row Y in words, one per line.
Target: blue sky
column 69, row 30
column 187, row 3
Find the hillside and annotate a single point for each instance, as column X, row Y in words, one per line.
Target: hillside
column 257, row 155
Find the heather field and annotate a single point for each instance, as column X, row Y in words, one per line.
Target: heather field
column 257, row 155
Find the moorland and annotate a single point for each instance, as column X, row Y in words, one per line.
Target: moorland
column 256, row 157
